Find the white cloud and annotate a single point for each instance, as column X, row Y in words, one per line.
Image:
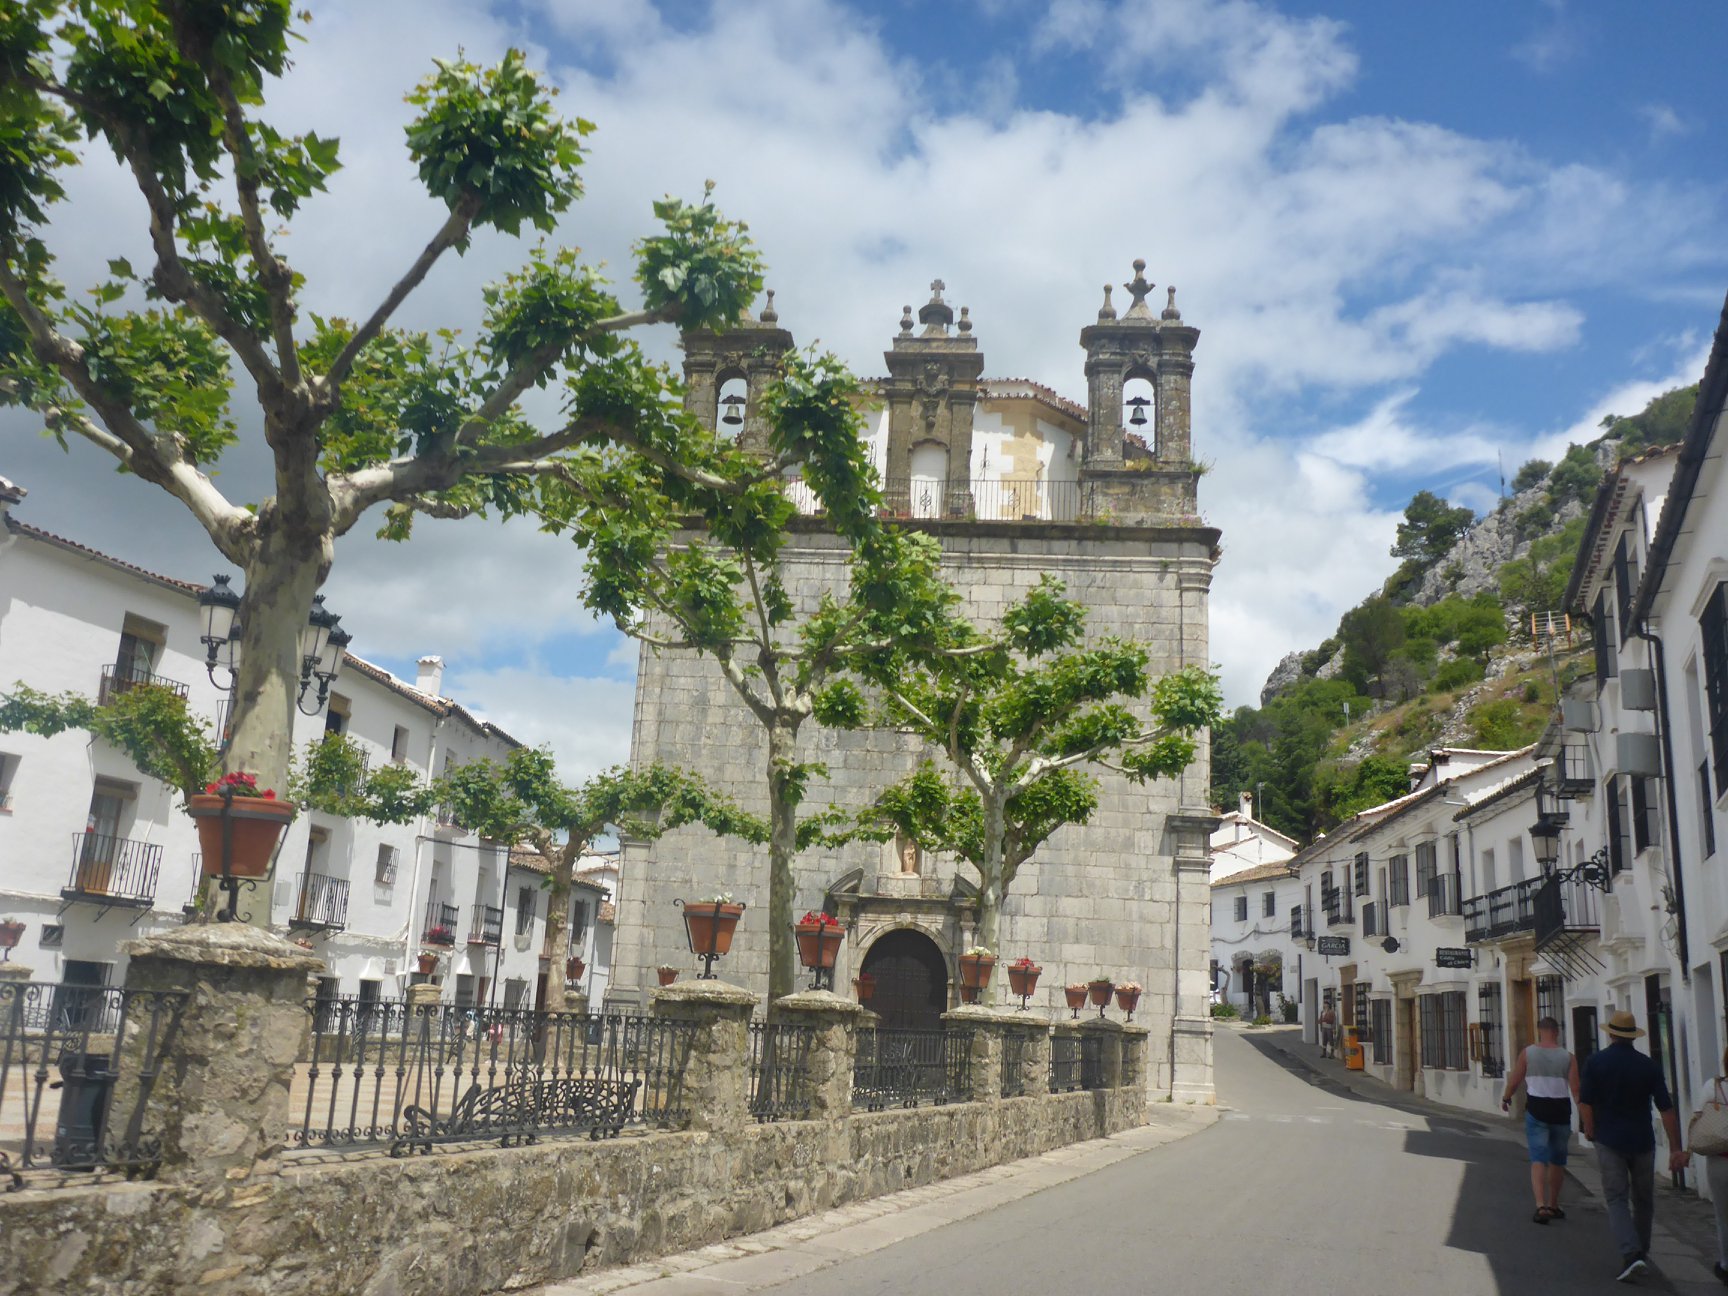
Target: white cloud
column 586, row 720
column 1663, row 121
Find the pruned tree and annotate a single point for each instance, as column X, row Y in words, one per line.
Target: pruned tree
column 1019, row 712
column 354, row 414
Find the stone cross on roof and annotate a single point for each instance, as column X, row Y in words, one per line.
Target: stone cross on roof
column 936, row 314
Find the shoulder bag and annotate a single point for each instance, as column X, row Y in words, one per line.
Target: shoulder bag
column 1707, row 1133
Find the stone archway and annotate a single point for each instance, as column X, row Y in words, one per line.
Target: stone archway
column 911, row 978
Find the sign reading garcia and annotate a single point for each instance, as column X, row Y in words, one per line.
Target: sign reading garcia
column 1448, row 956
column 1330, row 945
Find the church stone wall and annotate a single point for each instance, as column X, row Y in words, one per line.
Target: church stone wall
column 1126, row 895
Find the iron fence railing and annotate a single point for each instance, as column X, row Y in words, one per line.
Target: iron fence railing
column 1092, row 1062
column 117, row 680
column 66, row 1052
column 903, row 1068
column 780, row 1070
column 1501, row 912
column 441, row 920
column 113, row 870
column 322, row 902
column 1065, row 1074
column 1014, row 1064
column 384, row 1074
column 1443, row 895
column 486, row 925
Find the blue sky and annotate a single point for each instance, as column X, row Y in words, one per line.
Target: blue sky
column 1418, row 239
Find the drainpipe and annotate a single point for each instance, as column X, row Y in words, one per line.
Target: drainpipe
column 1176, row 975
column 1675, row 873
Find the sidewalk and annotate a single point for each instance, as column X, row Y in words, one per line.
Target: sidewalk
column 1683, row 1242
column 814, row 1242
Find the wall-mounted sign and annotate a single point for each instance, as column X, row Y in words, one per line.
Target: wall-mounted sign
column 1330, row 945
column 1454, row 957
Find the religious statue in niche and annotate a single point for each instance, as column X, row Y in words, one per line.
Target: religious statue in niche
column 911, row 858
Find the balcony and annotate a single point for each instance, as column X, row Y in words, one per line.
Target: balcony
column 1339, row 907
column 1012, row 499
column 322, row 903
column 1373, row 919
column 113, row 871
column 117, row 680
column 441, row 920
column 486, row 925
column 1566, row 917
column 1443, row 896
column 1503, row 912
column 1572, row 777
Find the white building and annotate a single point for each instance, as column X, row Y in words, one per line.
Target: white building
column 93, row 853
column 1240, row 841
column 1252, row 949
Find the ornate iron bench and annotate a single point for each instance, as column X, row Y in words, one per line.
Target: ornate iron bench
column 519, row 1109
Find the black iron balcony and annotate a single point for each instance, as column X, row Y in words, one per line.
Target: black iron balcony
column 441, row 920
column 113, row 871
column 1572, row 777
column 1443, row 895
column 321, row 904
column 486, row 925
column 117, row 680
column 1503, row 912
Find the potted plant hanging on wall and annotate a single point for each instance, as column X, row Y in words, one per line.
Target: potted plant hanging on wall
column 427, row 962
column 819, row 936
column 574, row 967
column 1128, row 997
column 1023, row 977
column 11, row 932
column 1099, row 989
column 1075, row 994
column 667, row 974
column 254, row 824
column 865, row 984
column 710, row 923
column 976, row 964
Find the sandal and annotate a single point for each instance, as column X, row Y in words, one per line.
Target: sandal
column 1554, row 1212
column 1542, row 1216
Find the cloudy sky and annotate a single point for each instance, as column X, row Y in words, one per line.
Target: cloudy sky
column 1420, row 242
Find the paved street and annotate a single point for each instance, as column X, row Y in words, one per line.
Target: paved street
column 1302, row 1186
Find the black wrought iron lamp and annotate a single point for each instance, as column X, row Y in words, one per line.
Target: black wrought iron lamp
column 1596, row 871
column 219, row 607
column 322, row 644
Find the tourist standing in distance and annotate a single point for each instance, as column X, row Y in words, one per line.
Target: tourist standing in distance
column 1549, row 1075
column 1617, row 1088
column 1328, row 1031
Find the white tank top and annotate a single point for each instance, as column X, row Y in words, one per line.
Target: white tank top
column 1547, row 1072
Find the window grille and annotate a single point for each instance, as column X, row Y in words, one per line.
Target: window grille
column 1426, row 868
column 1489, row 1022
column 1453, row 1030
column 1269, row 905
column 1381, row 1032
column 1241, row 908
column 1398, row 880
column 1713, row 629
column 1551, row 1001
column 1361, row 874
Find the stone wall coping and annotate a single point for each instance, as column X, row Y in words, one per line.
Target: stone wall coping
column 15, row 972
column 235, row 945
column 719, row 994
column 1103, row 1025
column 1137, row 1032
column 819, row 1001
column 981, row 1015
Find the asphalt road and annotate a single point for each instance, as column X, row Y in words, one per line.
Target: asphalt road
column 1303, row 1187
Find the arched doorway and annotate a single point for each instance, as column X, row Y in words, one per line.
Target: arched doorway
column 911, row 981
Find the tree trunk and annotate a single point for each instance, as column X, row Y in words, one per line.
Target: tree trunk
column 281, row 580
column 782, row 850
column 990, row 890
column 563, row 878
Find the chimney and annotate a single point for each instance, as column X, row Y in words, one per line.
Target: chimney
column 1245, row 804
column 429, row 678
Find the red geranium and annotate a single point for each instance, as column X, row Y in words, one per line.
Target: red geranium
column 816, row 919
column 1023, row 963
column 243, row 785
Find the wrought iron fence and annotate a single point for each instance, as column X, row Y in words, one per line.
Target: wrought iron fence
column 322, row 903
column 1014, row 1064
column 113, row 870
column 441, row 920
column 408, row 1078
column 64, row 1052
column 117, row 680
column 1064, row 1063
column 1091, row 1062
column 903, row 1068
column 780, row 1070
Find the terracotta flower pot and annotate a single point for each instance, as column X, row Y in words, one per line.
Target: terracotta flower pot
column 257, row 827
column 969, row 994
column 818, row 944
column 1099, row 992
column 1127, row 1000
column 975, row 970
column 10, row 934
column 428, row 964
column 1023, row 980
column 710, row 926
column 574, row 967
column 865, row 984
column 1075, row 995
column 667, row 975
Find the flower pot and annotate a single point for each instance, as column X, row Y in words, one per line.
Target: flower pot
column 428, row 964
column 574, row 967
column 865, row 984
column 1099, row 992
column 257, row 826
column 1127, row 1000
column 818, row 944
column 975, row 970
column 1076, row 995
column 1023, row 981
column 710, row 926
column 969, row 994
column 667, row 975
column 10, row 934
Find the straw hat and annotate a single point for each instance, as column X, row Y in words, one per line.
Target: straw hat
column 1623, row 1025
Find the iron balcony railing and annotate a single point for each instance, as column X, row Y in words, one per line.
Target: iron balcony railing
column 412, row 1078
column 117, row 680
column 780, row 1081
column 1338, row 907
column 70, row 1099
column 113, row 870
column 322, row 903
column 485, row 925
column 1501, row 912
column 904, row 1068
column 1443, row 895
column 1558, row 906
column 1009, row 499
column 1373, row 919
column 441, row 920
column 1572, row 777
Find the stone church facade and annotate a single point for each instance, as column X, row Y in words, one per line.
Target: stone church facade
column 1014, row 481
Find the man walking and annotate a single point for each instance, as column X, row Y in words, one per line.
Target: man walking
column 1549, row 1075
column 1328, row 1031
column 1616, row 1091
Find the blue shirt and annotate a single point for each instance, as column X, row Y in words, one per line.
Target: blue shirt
column 1618, row 1084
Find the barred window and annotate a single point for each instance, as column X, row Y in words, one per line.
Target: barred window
column 1398, row 880
column 527, row 899
column 1362, row 874
column 1381, row 1032
column 1433, row 1051
column 1269, row 904
column 1241, row 908
column 1426, row 867
column 1551, row 1001
column 1489, row 1022
column 1713, row 628
column 1618, row 856
column 1364, row 1029
column 1445, row 1045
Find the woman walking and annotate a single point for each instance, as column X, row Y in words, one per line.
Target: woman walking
column 1549, row 1075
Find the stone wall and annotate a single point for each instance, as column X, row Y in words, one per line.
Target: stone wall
column 1125, row 895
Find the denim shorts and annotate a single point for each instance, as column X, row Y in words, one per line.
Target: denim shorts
column 1548, row 1143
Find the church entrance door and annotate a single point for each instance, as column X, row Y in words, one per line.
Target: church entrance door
column 911, row 981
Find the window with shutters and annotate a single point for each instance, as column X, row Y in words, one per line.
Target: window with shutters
column 1398, row 880
column 1708, row 827
column 1625, row 585
column 1602, row 639
column 1645, row 825
column 1617, row 853
column 1425, row 868
column 527, row 899
column 1269, row 904
column 1361, row 879
column 1713, row 628
column 1241, row 908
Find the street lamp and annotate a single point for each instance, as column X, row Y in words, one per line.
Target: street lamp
column 218, row 606
column 322, row 643
column 1545, row 837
